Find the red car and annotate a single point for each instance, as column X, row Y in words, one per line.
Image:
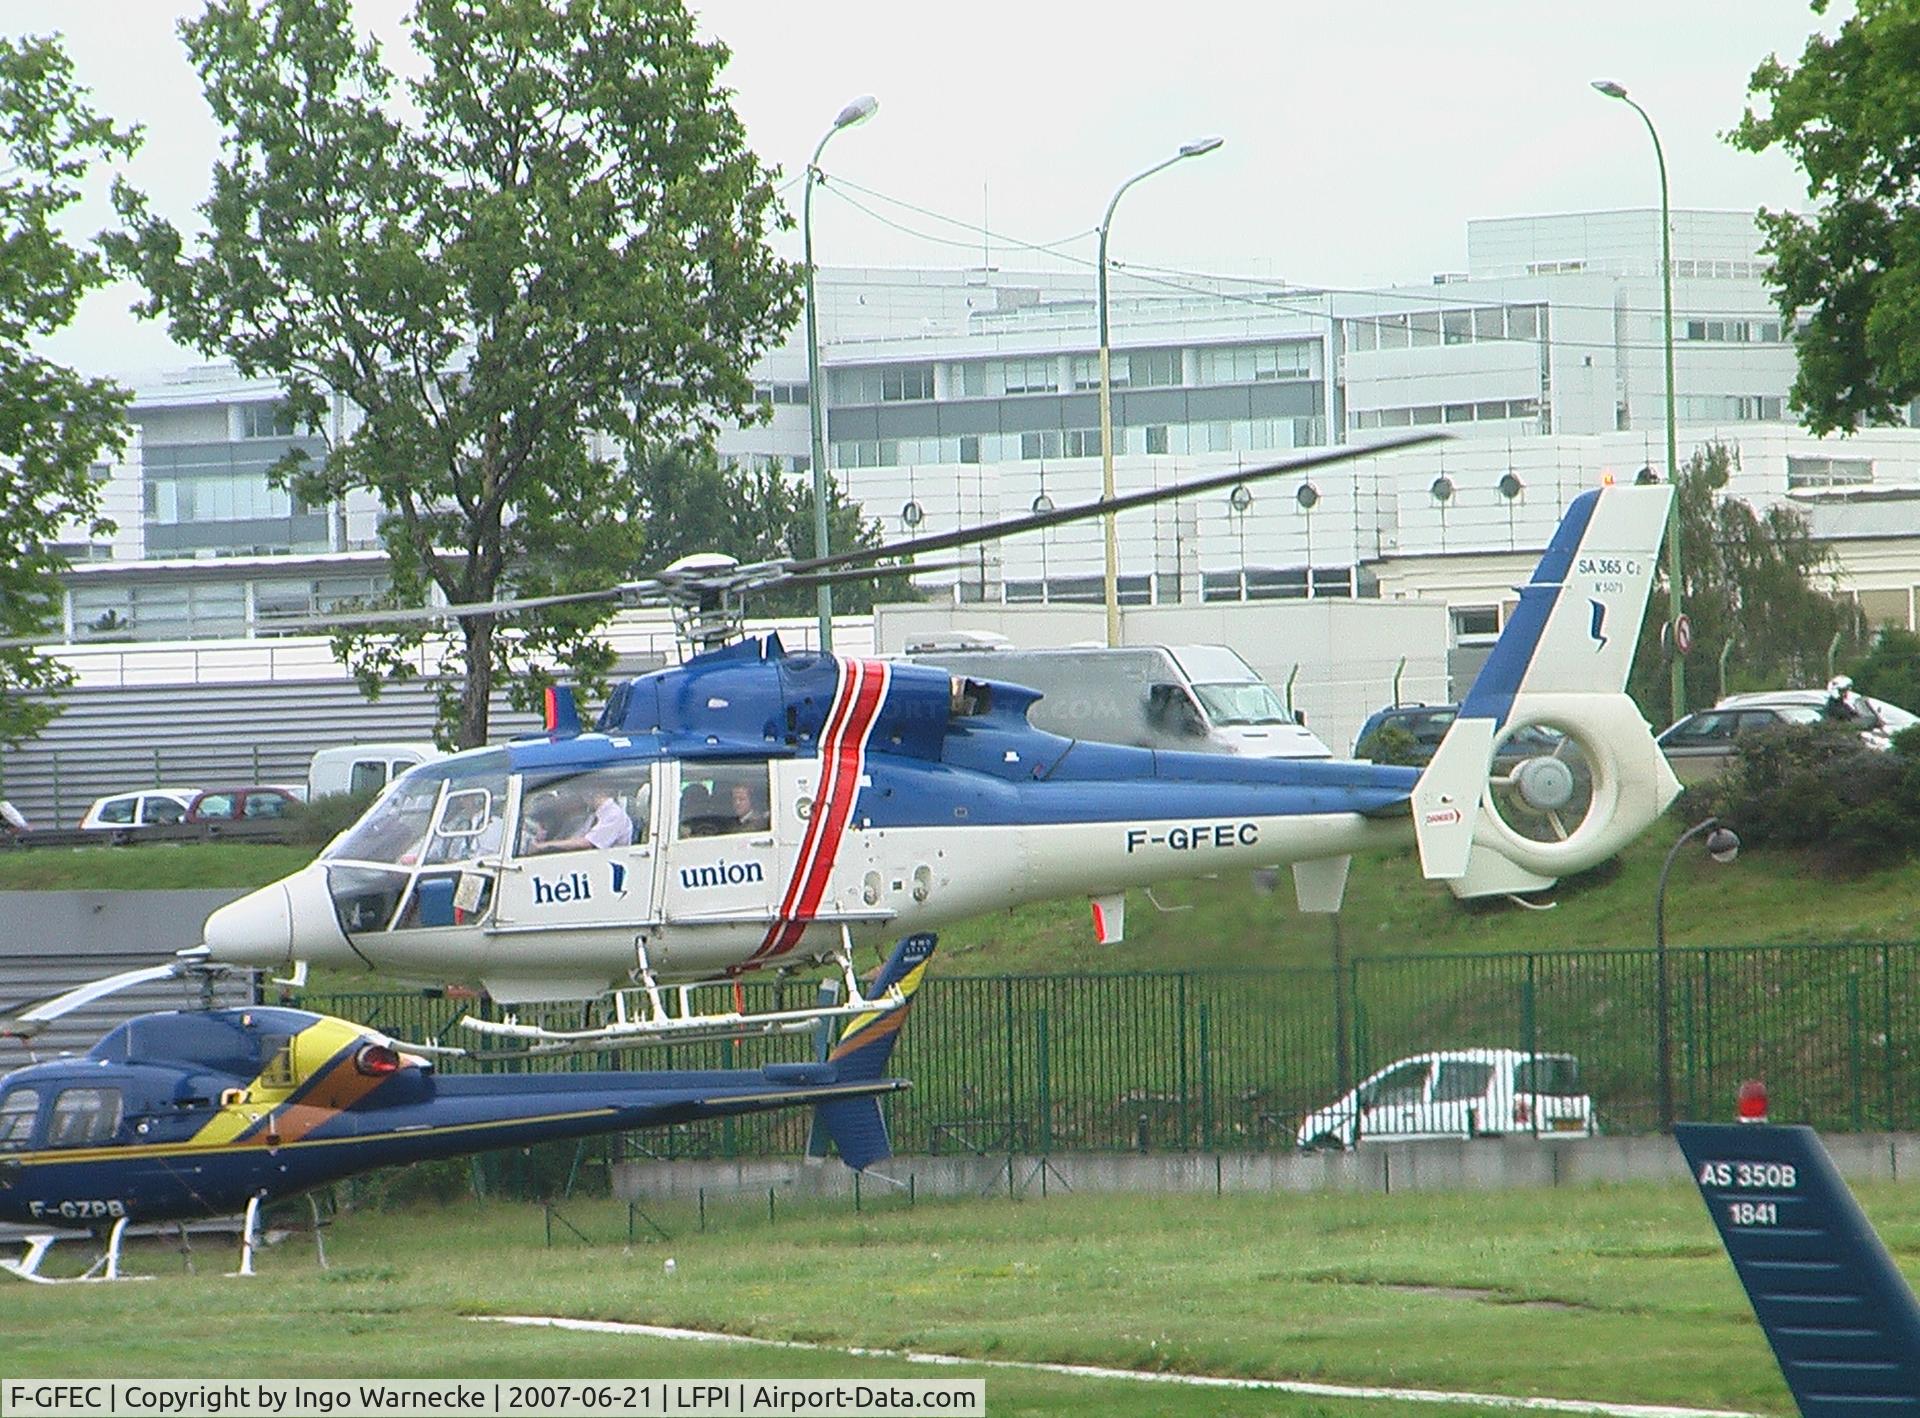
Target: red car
column 250, row 804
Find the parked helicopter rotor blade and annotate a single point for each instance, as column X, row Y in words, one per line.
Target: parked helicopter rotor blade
column 404, row 615
column 993, row 531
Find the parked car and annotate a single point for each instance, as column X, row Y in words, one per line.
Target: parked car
column 1701, row 745
column 1427, row 725
column 1458, row 1093
column 257, row 802
column 148, row 807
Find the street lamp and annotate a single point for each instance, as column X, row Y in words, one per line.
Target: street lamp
column 1679, row 705
column 858, row 111
column 1199, row 147
column 1723, row 845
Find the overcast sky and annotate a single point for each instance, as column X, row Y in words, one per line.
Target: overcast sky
column 1360, row 138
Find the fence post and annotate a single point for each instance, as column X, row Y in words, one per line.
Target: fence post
column 1886, row 1032
column 1045, row 1082
column 1690, row 1048
column 1854, row 1080
column 1181, row 1074
column 1013, row 1121
column 1206, row 1077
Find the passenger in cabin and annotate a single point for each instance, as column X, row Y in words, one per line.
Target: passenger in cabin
column 750, row 810
column 697, row 815
column 608, row 823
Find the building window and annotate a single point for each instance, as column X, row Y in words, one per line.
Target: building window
column 266, row 421
column 1154, row 368
column 906, row 383
column 1156, row 438
column 969, row 447
column 1033, row 376
column 1829, row 472
column 1248, row 364
column 1730, row 331
column 1084, row 442
column 1473, row 624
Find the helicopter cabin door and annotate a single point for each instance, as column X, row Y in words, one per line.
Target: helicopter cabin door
column 724, row 862
column 583, row 850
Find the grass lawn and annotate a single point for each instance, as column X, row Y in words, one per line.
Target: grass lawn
column 1619, row 1294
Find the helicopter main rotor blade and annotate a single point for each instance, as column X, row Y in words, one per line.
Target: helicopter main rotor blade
column 403, row 615
column 993, row 531
column 869, row 573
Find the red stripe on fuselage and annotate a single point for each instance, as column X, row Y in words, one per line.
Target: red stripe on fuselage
column 843, row 745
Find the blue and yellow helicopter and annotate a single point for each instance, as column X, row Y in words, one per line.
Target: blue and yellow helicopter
column 194, row 1114
column 756, row 808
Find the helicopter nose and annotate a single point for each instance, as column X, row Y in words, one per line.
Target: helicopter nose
column 290, row 920
column 255, row 930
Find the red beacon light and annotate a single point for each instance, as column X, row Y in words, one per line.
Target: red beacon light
column 1750, row 1103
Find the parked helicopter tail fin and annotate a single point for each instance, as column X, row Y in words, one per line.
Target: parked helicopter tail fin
column 855, row 1125
column 1841, row 1319
column 1550, row 767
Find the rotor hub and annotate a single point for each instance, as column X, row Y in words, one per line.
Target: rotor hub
column 1544, row 784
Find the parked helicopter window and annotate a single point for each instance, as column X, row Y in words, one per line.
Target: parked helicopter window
column 591, row 811
column 395, row 829
column 720, row 799
column 83, row 1117
column 16, row 1119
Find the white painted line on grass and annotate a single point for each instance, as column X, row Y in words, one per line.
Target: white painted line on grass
column 1145, row 1376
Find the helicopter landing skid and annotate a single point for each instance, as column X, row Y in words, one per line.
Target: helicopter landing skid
column 652, row 1013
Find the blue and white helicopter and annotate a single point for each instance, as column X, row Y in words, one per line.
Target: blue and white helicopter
column 756, row 808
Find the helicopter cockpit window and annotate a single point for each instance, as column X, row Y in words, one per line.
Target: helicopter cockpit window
column 721, row 799
column 402, row 827
column 84, row 1117
column 595, row 810
column 16, row 1119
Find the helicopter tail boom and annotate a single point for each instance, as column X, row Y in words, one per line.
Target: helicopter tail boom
column 1550, row 767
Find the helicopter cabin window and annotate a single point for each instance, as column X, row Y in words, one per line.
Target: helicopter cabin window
column 448, row 810
column 16, row 1119
column 722, row 799
column 84, row 1117
column 595, row 810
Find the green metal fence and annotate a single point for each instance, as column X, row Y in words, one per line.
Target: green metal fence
column 1233, row 1060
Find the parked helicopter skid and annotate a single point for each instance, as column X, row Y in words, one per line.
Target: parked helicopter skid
column 192, row 1114
column 757, row 809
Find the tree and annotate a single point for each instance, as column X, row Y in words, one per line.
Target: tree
column 554, row 244
column 54, row 424
column 691, row 502
column 1751, row 578
column 1850, row 272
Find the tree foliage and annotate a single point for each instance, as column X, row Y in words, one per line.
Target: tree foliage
column 1890, row 670
column 54, row 424
column 1750, row 577
column 549, row 244
column 693, row 503
column 1848, row 115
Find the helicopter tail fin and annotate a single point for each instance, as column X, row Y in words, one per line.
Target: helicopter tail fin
column 855, row 1124
column 1554, row 688
column 1841, row 1319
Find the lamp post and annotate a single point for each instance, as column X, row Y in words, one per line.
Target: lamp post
column 858, row 111
column 1723, row 845
column 1197, row 148
column 1679, row 704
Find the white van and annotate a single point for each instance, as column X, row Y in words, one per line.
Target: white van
column 363, row 767
column 1201, row 698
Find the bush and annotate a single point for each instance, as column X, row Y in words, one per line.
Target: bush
column 1819, row 788
column 316, row 823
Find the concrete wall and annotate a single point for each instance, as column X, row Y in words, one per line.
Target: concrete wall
column 52, row 941
column 1484, row 1164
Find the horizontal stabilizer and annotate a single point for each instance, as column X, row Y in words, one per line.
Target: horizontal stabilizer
column 1446, row 800
column 1840, row 1317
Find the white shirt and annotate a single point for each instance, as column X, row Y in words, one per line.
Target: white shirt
column 610, row 826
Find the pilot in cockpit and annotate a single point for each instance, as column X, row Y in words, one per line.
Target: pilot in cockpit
column 608, row 823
